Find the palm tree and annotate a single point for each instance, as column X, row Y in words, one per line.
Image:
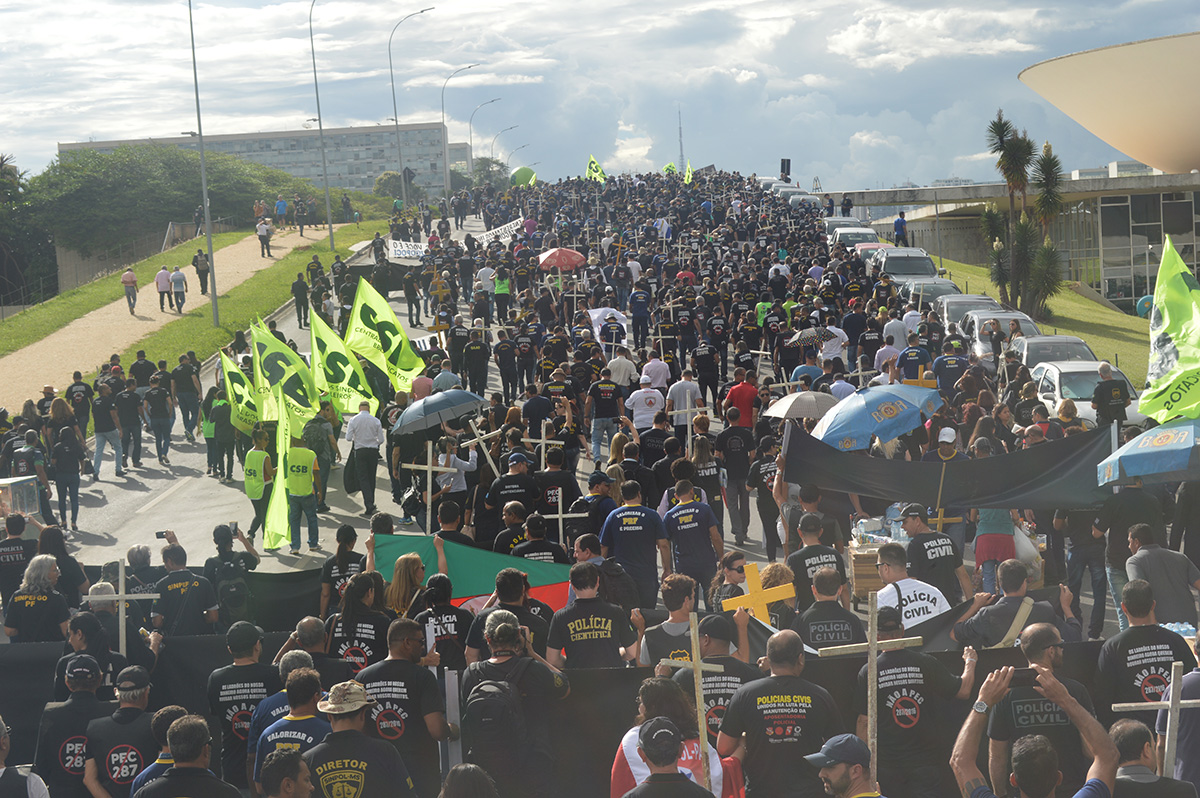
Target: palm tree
column 1047, row 180
column 1000, row 134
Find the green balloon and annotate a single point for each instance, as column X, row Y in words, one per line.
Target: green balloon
column 521, row 176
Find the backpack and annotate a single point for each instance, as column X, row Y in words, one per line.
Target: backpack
column 617, row 586
column 315, row 437
column 233, row 592
column 493, row 722
column 574, row 527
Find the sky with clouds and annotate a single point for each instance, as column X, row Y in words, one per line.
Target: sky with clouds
column 864, row 94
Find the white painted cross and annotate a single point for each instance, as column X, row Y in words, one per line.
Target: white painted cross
column 696, row 666
column 120, row 598
column 545, row 442
column 1172, row 705
column 699, row 411
column 480, row 438
column 872, row 648
column 428, row 467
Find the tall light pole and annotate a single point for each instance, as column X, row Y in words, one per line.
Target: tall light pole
column 320, row 127
column 212, row 267
column 508, row 160
column 445, row 133
column 498, row 135
column 471, row 134
column 395, row 113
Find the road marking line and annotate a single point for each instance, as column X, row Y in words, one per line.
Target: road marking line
column 150, row 504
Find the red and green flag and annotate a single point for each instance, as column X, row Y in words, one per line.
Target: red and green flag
column 473, row 571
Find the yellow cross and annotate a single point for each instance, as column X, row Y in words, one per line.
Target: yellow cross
column 757, row 599
column 941, row 520
column 439, row 289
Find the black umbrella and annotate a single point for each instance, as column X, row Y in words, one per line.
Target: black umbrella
column 432, row 411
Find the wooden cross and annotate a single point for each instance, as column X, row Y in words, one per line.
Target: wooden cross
column 696, row 666
column 120, row 598
column 428, row 467
column 480, row 438
column 941, row 519
column 545, row 442
column 872, row 648
column 1172, row 705
column 758, row 598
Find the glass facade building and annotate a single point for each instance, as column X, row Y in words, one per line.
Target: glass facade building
column 355, row 155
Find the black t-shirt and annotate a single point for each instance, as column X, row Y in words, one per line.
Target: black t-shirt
column 111, row 664
column 62, row 743
column 158, row 402
column 542, row 551
column 79, row 396
column 606, row 399
column 653, row 445
column 1135, row 665
column 828, row 623
column 450, row 627
column 129, row 408
column 180, row 782
column 15, row 555
column 735, row 444
column 37, row 617
column 538, row 627
column 554, row 484
column 405, row 693
column 911, row 687
column 102, row 407
column 1123, row 510
column 350, row 763
column 1078, row 530
column 122, row 746
column 233, row 693
column 183, row 600
column 142, row 371
column 807, row 561
column 933, row 558
column 67, row 456
column 513, row 488
column 1024, row 711
column 718, row 687
column 361, row 645
column 182, row 375
column 508, row 539
column 591, row 631
column 537, row 688
column 337, row 578
column 1110, row 398
column 784, row 718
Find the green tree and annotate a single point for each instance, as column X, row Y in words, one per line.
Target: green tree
column 1044, row 281
column 28, row 265
column 459, row 181
column 490, row 171
column 992, row 226
column 389, row 184
column 1047, row 180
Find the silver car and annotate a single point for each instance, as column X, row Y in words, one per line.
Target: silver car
column 1076, row 380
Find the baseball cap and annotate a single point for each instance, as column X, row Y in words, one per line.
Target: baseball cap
column 599, row 478
column 659, row 738
column 810, row 522
column 717, row 627
column 517, row 457
column 644, row 380
column 345, row 697
column 841, row 748
column 135, row 677
column 947, row 435
column 242, row 636
column 889, row 619
column 915, row 511
column 83, row 666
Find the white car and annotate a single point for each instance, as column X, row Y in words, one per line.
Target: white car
column 1076, row 380
column 854, row 235
column 973, row 324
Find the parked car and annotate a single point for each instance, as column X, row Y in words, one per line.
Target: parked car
column 905, row 262
column 925, row 290
column 853, row 235
column 812, row 199
column 834, row 223
column 1034, row 349
column 973, row 329
column 952, row 307
column 1076, row 380
column 867, row 249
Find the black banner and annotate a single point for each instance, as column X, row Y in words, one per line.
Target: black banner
column 1053, row 475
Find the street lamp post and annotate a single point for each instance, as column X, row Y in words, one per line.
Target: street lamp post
column 320, row 127
column 498, row 135
column 471, row 135
column 508, row 160
column 395, row 113
column 212, row 267
column 445, row 134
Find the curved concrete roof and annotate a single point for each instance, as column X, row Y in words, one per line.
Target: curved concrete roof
column 1134, row 96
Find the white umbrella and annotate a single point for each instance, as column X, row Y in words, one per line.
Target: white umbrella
column 806, row 404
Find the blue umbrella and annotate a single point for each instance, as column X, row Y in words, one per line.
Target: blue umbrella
column 883, row 411
column 1164, row 454
column 431, row 411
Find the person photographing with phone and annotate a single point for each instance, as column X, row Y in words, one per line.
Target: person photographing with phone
column 226, row 572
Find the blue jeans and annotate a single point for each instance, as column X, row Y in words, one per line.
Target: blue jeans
column 307, row 505
column 957, row 531
column 111, row 438
column 1090, row 558
column 1117, row 579
column 602, row 428
column 988, row 572
column 189, row 407
column 161, row 427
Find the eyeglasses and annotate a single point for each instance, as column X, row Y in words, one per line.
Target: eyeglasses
column 879, row 565
column 741, row 569
column 1056, row 645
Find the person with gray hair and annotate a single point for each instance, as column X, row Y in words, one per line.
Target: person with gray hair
column 140, row 651
column 11, row 780
column 310, row 637
column 1110, row 397
column 37, row 613
column 191, row 746
column 274, row 706
column 121, row 745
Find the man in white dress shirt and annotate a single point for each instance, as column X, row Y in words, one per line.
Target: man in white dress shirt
column 365, row 434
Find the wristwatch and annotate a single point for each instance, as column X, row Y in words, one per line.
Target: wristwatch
column 981, row 707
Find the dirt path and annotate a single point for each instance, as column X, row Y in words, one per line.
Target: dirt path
column 86, row 343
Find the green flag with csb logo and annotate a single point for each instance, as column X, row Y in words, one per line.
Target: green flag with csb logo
column 241, row 395
column 336, row 371
column 594, row 171
column 375, row 333
column 275, row 525
column 1174, row 367
column 670, row 169
column 687, row 176
column 276, row 364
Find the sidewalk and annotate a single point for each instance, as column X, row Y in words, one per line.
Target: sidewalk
column 87, row 342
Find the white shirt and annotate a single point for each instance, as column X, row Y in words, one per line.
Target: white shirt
column 458, row 480
column 364, row 431
column 841, row 389
column 35, row 787
column 883, row 354
column 635, row 269
column 833, row 348
column 684, row 395
column 658, row 372
column 921, row 601
column 644, row 403
column 899, row 332
column 624, row 372
column 779, row 268
column 487, row 279
column 912, row 320
column 263, row 229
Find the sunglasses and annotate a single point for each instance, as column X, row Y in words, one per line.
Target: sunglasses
column 741, row 569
